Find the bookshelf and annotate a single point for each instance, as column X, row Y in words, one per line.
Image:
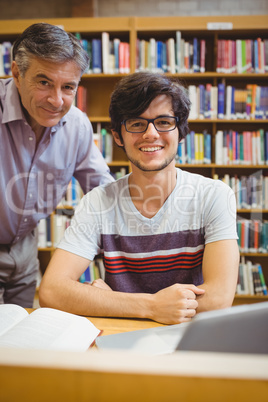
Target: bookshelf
column 212, row 29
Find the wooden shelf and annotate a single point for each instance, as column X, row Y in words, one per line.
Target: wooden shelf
column 192, row 24
column 119, row 163
column 262, row 255
column 252, row 210
column 249, row 299
column 231, row 121
column 214, row 165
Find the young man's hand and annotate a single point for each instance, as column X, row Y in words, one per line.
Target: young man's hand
column 175, row 304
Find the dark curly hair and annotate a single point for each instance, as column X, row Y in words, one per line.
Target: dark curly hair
column 134, row 93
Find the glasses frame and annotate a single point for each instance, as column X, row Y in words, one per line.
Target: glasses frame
column 148, row 122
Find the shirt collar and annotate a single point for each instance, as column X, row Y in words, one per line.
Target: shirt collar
column 12, row 109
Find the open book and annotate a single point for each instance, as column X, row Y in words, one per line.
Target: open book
column 45, row 328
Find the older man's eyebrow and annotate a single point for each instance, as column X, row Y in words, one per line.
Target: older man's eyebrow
column 41, row 75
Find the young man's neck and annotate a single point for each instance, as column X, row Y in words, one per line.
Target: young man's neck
column 149, row 190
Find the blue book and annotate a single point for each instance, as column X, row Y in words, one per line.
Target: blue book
column 179, row 152
column 188, row 149
column 96, row 56
column 159, row 56
column 196, row 56
column 262, row 280
column 208, row 102
column 6, row 49
column 85, row 277
column 103, row 142
column 192, row 135
column 202, row 100
column 74, row 192
column 256, row 56
column 221, row 101
column 207, row 142
column 164, row 57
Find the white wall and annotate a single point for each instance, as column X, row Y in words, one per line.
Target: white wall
column 112, row 8
column 16, row 9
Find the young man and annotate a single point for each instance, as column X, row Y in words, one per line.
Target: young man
column 168, row 236
column 44, row 142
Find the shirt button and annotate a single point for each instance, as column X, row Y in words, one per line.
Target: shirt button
column 30, row 138
column 30, row 195
column 25, row 219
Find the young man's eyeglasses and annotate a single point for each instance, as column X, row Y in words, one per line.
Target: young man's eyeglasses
column 140, row 125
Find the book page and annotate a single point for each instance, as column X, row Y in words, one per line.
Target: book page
column 52, row 329
column 10, row 315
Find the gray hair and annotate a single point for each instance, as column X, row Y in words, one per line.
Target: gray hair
column 51, row 43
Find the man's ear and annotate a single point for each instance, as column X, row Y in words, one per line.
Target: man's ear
column 117, row 139
column 15, row 73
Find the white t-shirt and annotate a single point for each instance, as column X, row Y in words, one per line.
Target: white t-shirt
column 147, row 254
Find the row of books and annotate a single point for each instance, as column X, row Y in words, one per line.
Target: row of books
column 171, row 56
column 231, row 148
column 175, row 55
column 246, row 148
column 242, row 56
column 228, row 102
column 104, row 141
column 95, row 270
column 253, row 235
column 73, row 195
column 56, row 224
column 251, row 191
column 195, row 149
column 251, row 280
column 108, row 56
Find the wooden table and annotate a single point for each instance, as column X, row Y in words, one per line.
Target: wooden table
column 96, row 375
column 116, row 325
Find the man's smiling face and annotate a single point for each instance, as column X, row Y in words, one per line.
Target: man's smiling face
column 47, row 90
column 152, row 150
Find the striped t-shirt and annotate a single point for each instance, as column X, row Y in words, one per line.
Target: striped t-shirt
column 148, row 254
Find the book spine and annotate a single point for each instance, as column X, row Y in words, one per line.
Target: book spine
column 178, row 52
column 221, row 101
column 6, row 50
column 105, row 47
column 96, row 56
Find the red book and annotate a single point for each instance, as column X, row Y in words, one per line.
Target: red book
column 81, row 98
column 256, row 235
column 202, row 55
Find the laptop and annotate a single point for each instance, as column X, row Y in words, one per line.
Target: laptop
column 238, row 329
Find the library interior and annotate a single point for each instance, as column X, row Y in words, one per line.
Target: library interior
column 218, row 51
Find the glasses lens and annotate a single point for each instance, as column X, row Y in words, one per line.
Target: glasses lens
column 166, row 123
column 136, row 125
